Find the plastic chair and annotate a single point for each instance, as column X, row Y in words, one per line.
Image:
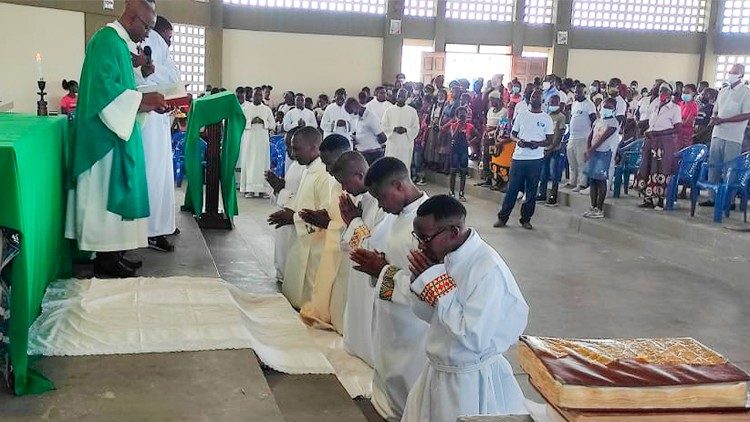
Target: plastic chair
column 689, row 169
column 630, row 161
column 278, row 154
column 738, row 183
column 732, row 174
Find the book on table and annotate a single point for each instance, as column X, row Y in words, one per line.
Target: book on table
column 666, row 374
column 174, row 94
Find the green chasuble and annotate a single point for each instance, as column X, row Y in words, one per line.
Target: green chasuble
column 203, row 112
column 107, row 73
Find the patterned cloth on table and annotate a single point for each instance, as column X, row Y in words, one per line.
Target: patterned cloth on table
column 278, row 154
column 9, row 248
column 657, row 166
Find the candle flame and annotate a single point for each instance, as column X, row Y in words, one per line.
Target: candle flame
column 39, row 57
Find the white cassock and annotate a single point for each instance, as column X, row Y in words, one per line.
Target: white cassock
column 398, row 334
column 87, row 219
column 362, row 233
column 258, row 152
column 293, row 116
column 284, row 108
column 400, row 146
column 332, row 114
column 157, row 141
column 283, row 236
column 476, row 312
column 314, row 193
column 325, row 309
column 378, row 108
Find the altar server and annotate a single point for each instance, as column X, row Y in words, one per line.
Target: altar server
column 398, row 335
column 259, row 118
column 157, row 140
column 401, row 125
column 362, row 217
column 313, row 193
column 108, row 206
column 299, row 115
column 335, row 117
column 476, row 311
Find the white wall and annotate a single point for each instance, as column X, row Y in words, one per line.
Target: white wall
column 57, row 34
column 312, row 64
column 644, row 67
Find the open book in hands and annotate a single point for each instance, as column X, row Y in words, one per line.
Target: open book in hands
column 174, row 94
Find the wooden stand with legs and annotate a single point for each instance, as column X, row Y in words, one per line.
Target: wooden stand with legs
column 211, row 218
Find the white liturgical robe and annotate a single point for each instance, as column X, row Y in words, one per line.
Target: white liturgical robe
column 283, row 236
column 476, row 312
column 293, row 116
column 258, row 150
column 400, row 146
column 378, row 108
column 364, row 233
column 398, row 334
column 314, row 193
column 331, row 116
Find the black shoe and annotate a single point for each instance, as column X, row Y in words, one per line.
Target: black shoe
column 461, row 197
column 552, row 202
column 132, row 263
column 541, row 198
column 176, row 232
column 647, row 204
column 160, row 243
column 527, row 225
column 108, row 267
column 483, row 183
column 500, row 223
column 708, row 203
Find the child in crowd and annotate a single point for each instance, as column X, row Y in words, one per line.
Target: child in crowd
column 689, row 110
column 461, row 133
column 279, row 117
column 69, row 101
column 601, row 142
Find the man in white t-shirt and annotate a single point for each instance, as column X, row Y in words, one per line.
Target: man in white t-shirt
column 368, row 136
column 731, row 113
column 582, row 117
column 532, row 131
column 379, row 104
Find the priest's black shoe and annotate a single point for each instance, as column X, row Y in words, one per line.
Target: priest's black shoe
column 110, row 266
column 132, row 263
column 160, row 243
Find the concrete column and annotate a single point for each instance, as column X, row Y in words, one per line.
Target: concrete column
column 439, row 41
column 562, row 18
column 519, row 28
column 392, row 43
column 707, row 64
column 214, row 44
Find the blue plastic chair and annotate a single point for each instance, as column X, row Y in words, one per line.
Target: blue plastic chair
column 731, row 173
column 278, row 154
column 688, row 171
column 630, row 161
column 738, row 183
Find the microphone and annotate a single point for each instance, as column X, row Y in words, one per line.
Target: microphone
column 147, row 52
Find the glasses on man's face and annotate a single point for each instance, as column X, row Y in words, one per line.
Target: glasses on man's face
column 427, row 239
column 146, row 25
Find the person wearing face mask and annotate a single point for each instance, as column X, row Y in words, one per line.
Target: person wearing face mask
column 658, row 149
column 552, row 165
column 532, row 131
column 401, row 125
column 514, row 98
column 582, row 117
column 642, row 112
column 432, row 145
column 335, row 118
column 549, row 88
column 730, row 116
column 601, row 142
column 523, row 105
column 689, row 110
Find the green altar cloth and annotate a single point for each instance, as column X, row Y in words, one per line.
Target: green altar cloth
column 203, row 112
column 32, row 173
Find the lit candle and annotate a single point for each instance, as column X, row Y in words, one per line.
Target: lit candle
column 39, row 66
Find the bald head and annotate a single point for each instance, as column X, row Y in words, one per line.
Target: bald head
column 138, row 18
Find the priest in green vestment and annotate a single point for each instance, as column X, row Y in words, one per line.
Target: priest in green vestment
column 108, row 203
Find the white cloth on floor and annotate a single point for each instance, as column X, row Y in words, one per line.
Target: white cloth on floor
column 146, row 315
column 476, row 312
column 283, row 236
column 362, row 233
column 353, row 373
column 398, row 334
column 257, row 155
column 400, row 146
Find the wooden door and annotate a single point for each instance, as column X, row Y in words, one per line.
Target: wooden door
column 433, row 64
column 527, row 68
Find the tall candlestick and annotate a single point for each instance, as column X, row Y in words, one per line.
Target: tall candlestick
column 39, row 66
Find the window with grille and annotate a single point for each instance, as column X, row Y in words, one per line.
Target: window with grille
column 736, row 16
column 655, row 15
column 724, row 64
column 538, row 11
column 481, row 10
column 422, row 8
column 189, row 53
column 354, row 6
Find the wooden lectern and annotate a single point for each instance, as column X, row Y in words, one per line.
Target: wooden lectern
column 211, row 218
